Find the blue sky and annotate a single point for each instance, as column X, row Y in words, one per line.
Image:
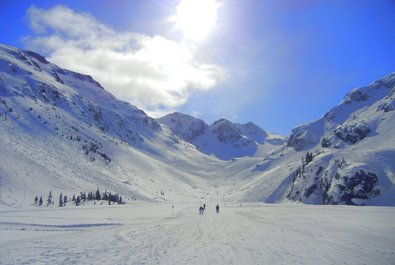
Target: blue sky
column 276, row 63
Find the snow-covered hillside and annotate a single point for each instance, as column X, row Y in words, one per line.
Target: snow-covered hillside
column 223, row 139
column 346, row 157
column 62, row 131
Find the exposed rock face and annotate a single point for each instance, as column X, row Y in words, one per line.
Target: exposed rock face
column 227, row 132
column 184, row 126
column 347, row 134
column 352, row 134
column 337, row 182
column 357, row 96
column 346, row 188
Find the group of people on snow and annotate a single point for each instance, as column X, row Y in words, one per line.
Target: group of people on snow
column 203, row 208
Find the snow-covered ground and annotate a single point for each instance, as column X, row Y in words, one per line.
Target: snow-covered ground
column 160, row 234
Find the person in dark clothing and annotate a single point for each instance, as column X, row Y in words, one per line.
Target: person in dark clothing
column 217, row 208
column 201, row 210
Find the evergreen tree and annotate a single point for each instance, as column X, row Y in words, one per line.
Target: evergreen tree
column 105, row 196
column 309, row 157
column 49, row 200
column 35, row 200
column 61, row 200
column 65, row 200
column 40, row 202
column 98, row 197
column 109, row 198
column 73, row 199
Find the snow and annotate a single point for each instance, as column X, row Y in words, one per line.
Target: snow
column 222, row 139
column 68, row 134
column 239, row 234
column 62, row 131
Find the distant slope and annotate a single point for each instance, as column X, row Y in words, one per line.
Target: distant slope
column 223, row 139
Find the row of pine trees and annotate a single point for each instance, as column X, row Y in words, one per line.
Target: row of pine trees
column 81, row 198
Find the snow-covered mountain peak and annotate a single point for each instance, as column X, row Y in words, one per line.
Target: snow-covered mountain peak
column 352, row 120
column 350, row 151
column 254, row 132
column 226, row 131
column 223, row 138
column 31, row 76
column 184, row 126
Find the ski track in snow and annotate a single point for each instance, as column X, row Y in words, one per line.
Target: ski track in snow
column 254, row 234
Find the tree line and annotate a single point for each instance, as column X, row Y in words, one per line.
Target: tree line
column 80, row 198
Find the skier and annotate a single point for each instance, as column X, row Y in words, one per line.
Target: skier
column 217, row 208
column 201, row 210
column 204, row 206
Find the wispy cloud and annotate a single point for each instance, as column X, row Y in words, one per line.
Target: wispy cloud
column 153, row 73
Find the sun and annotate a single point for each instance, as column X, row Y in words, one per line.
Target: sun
column 196, row 18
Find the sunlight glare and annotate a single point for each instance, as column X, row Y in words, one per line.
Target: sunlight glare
column 196, row 18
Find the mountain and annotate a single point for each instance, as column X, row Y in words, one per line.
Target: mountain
column 360, row 135
column 362, row 112
column 223, row 139
column 184, row 126
column 61, row 131
column 346, row 157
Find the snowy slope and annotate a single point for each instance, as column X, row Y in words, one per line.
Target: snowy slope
column 62, row 131
column 359, row 115
column 346, row 157
column 223, row 139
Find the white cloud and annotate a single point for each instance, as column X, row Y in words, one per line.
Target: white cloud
column 153, row 73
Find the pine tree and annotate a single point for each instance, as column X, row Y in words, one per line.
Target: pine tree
column 98, row 197
column 109, row 198
column 40, row 201
column 61, row 200
column 309, row 157
column 65, row 200
column 35, row 200
column 105, row 195
column 49, row 200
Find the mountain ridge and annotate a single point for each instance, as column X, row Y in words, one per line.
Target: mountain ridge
column 62, row 131
column 238, row 140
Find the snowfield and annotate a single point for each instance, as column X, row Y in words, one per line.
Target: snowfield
column 158, row 234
